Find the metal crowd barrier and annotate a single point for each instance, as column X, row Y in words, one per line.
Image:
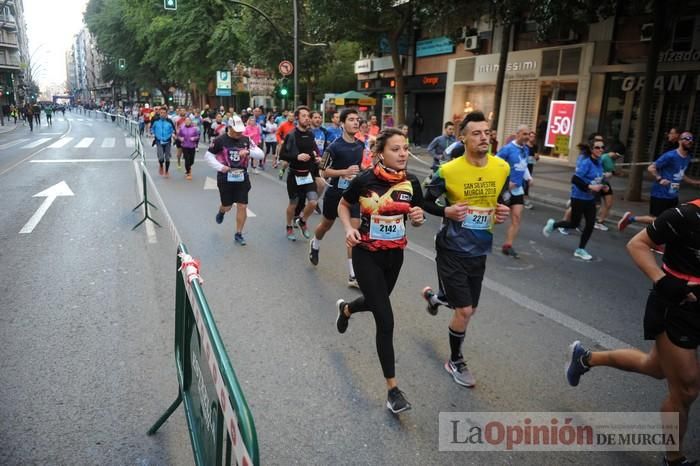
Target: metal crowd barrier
column 220, row 424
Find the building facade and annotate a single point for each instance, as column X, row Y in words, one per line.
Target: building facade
column 13, row 52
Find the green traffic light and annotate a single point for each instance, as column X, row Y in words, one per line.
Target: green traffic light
column 283, row 91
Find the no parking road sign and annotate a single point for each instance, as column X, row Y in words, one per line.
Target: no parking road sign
column 286, row 67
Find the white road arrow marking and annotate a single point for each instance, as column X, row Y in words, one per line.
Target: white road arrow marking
column 210, row 183
column 59, row 189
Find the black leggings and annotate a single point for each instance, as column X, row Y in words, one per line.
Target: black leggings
column 376, row 273
column 270, row 148
column 580, row 208
column 189, row 158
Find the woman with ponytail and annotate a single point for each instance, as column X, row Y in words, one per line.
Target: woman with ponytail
column 387, row 197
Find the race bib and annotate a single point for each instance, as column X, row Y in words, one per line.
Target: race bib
column 236, row 176
column 302, row 180
column 478, row 218
column 389, row 227
column 673, row 188
column 343, row 183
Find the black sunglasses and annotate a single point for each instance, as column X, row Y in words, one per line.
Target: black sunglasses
column 599, row 147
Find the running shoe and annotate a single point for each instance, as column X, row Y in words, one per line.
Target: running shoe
column 238, row 238
column 352, row 282
column 429, row 296
column 528, row 205
column 317, row 209
column 460, row 373
column 302, row 227
column 679, row 462
column 281, row 174
column 256, row 170
column 341, row 322
column 575, row 367
column 509, row 251
column 396, row 401
column 179, row 165
column 624, row 221
column 549, row 228
column 313, row 253
column 188, row 176
column 219, row 217
column 600, row 226
column 290, row 234
column 582, row 254
column 563, row 231
column 161, row 170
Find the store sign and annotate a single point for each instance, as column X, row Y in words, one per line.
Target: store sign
column 561, row 121
column 668, row 82
column 382, row 63
column 363, row 66
column 671, row 56
column 426, row 81
column 437, row 46
column 524, row 64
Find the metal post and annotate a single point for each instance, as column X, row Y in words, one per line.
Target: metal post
column 296, row 54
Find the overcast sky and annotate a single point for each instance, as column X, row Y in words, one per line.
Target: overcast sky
column 51, row 25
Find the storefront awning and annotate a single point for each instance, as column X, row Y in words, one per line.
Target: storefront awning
column 353, row 98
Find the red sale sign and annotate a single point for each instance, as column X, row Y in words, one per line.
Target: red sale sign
column 561, row 120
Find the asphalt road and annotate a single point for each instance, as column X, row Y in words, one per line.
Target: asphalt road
column 87, row 324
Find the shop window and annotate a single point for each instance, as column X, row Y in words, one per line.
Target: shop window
column 550, row 62
column 464, row 70
column 570, row 59
column 683, row 34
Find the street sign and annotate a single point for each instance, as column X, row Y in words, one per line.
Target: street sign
column 286, row 67
column 170, row 4
column 223, row 83
column 561, row 121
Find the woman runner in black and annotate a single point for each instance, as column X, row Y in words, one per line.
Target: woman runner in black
column 387, row 196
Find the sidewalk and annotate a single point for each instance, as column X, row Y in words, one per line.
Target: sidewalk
column 552, row 186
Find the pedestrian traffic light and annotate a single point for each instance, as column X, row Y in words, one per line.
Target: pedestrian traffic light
column 170, row 98
column 122, row 64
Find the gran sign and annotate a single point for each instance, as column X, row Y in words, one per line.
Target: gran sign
column 668, row 82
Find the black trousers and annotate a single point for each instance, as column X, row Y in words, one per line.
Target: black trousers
column 189, row 158
column 580, row 208
column 376, row 273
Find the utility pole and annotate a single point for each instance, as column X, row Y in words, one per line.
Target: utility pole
column 296, row 53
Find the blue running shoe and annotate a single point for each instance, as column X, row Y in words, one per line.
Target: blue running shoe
column 575, row 367
column 238, row 238
column 219, row 218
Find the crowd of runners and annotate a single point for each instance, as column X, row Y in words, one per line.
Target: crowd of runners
column 353, row 171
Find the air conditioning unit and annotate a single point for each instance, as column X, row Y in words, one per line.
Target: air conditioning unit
column 471, row 43
column 646, row 31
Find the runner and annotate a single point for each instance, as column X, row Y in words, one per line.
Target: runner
column 671, row 318
column 48, row 110
column 474, row 186
column 516, row 153
column 270, row 139
column 299, row 149
column 669, row 172
column 188, row 135
column 341, row 163
column 163, row 130
column 437, row 146
column 229, row 155
column 586, row 182
column 252, row 132
column 334, row 129
column 387, row 196
column 178, row 120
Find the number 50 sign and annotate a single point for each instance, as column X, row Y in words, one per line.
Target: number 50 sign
column 561, row 120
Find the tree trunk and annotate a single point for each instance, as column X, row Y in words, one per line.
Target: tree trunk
column 642, row 153
column 398, row 80
column 501, row 76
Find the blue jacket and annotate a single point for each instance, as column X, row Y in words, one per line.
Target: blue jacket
column 163, row 130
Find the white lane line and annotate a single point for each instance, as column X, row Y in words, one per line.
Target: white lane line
column 603, row 339
column 13, row 143
column 36, row 143
column 78, row 160
column 84, row 143
column 11, row 167
column 107, row 143
column 60, row 143
column 150, row 231
column 129, row 142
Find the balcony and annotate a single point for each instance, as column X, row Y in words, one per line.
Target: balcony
column 9, row 62
column 8, row 21
column 9, row 42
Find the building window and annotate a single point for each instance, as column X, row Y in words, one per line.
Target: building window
column 683, row 34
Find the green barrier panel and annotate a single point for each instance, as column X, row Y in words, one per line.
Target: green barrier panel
column 220, row 424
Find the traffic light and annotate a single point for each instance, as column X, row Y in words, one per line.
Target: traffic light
column 284, row 91
column 170, row 98
column 122, row 64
